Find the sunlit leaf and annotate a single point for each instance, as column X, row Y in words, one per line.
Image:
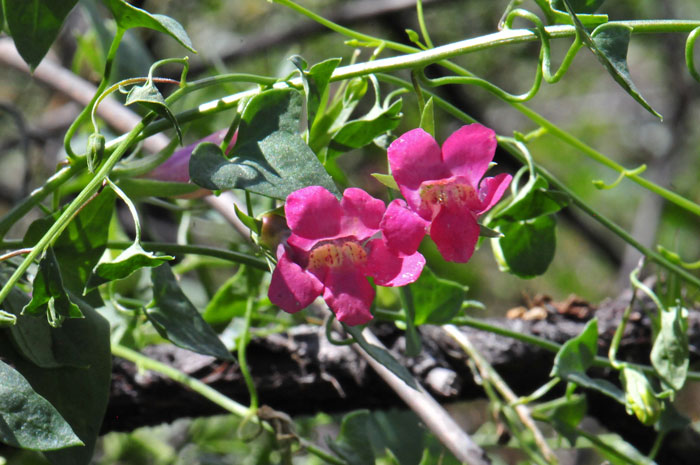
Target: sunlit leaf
column 670, row 353
column 150, row 97
column 436, row 300
column 315, row 82
column 177, row 320
column 128, row 16
column 34, row 25
column 427, row 118
column 128, row 261
column 27, row 420
column 527, row 247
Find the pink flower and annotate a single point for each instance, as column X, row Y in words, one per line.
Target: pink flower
column 177, row 167
column 332, row 250
column 443, row 189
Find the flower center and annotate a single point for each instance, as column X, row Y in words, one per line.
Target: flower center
column 336, row 254
column 446, row 192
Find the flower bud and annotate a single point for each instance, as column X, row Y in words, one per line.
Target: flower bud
column 274, row 231
column 640, row 398
column 95, row 150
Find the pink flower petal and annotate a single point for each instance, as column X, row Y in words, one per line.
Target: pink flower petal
column 415, row 157
column 292, row 288
column 491, row 190
column 402, row 229
column 313, row 214
column 391, row 269
column 455, row 233
column 468, row 152
column 349, row 295
column 362, row 214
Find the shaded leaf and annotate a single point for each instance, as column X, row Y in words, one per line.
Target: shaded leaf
column 34, row 25
column 150, row 97
column 49, row 295
column 585, row 11
column 601, row 385
column 27, row 420
column 609, row 43
column 128, row 16
column 566, row 417
column 131, row 259
column 579, row 6
column 353, row 443
column 534, row 200
column 271, row 157
column 140, row 187
column 527, row 247
column 436, row 300
column 229, row 301
column 671, row 420
column 177, row 320
column 382, row 356
column 670, row 353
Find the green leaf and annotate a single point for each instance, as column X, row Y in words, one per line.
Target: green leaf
column 141, row 187
column 229, row 301
column 315, row 82
column 584, row 12
column 577, row 354
column 579, row 6
column 49, row 296
column 436, row 300
column 382, row 356
column 671, row 420
column 27, row 420
column 566, row 417
column 131, row 259
column 386, row 179
column 609, row 43
column 488, row 232
column 177, row 320
column 150, row 97
column 640, row 398
column 34, row 25
column 527, row 247
column 534, row 200
column 670, row 353
column 128, row 16
column 601, row 385
column 360, row 132
column 353, row 443
column 427, row 118
column 271, row 157
column 250, row 222
column 79, row 390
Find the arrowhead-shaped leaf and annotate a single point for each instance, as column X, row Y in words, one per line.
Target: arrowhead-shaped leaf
column 130, row 260
column 150, row 97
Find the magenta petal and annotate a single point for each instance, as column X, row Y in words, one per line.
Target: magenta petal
column 455, row 233
column 362, row 214
column 391, row 269
column 292, row 288
column 415, row 157
column 313, row 213
column 402, row 229
column 491, row 190
column 469, row 150
column 349, row 295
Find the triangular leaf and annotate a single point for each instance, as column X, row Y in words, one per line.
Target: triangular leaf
column 34, row 25
column 577, row 354
column 353, row 443
column 176, row 319
column 271, row 158
column 315, row 82
column 386, row 179
column 150, row 97
column 609, row 43
column 128, row 16
column 131, row 259
column 27, row 420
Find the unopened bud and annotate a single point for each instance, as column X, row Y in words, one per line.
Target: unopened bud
column 640, row 398
column 95, row 150
column 274, row 231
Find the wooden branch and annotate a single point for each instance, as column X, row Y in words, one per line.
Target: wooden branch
column 302, row 373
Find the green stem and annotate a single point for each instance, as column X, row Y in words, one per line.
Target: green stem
column 74, row 207
column 182, row 249
column 85, row 114
column 132, row 209
column 242, row 344
column 421, row 23
column 619, row 332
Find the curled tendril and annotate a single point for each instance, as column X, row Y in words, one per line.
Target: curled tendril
column 689, row 50
column 675, row 258
column 625, row 173
column 544, row 69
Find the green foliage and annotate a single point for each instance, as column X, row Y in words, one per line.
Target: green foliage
column 670, row 352
column 150, row 97
column 352, row 442
column 34, row 25
column 131, row 259
column 271, row 157
column 315, row 81
column 27, row 420
column 436, row 300
column 427, row 117
column 177, row 320
column 128, row 16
